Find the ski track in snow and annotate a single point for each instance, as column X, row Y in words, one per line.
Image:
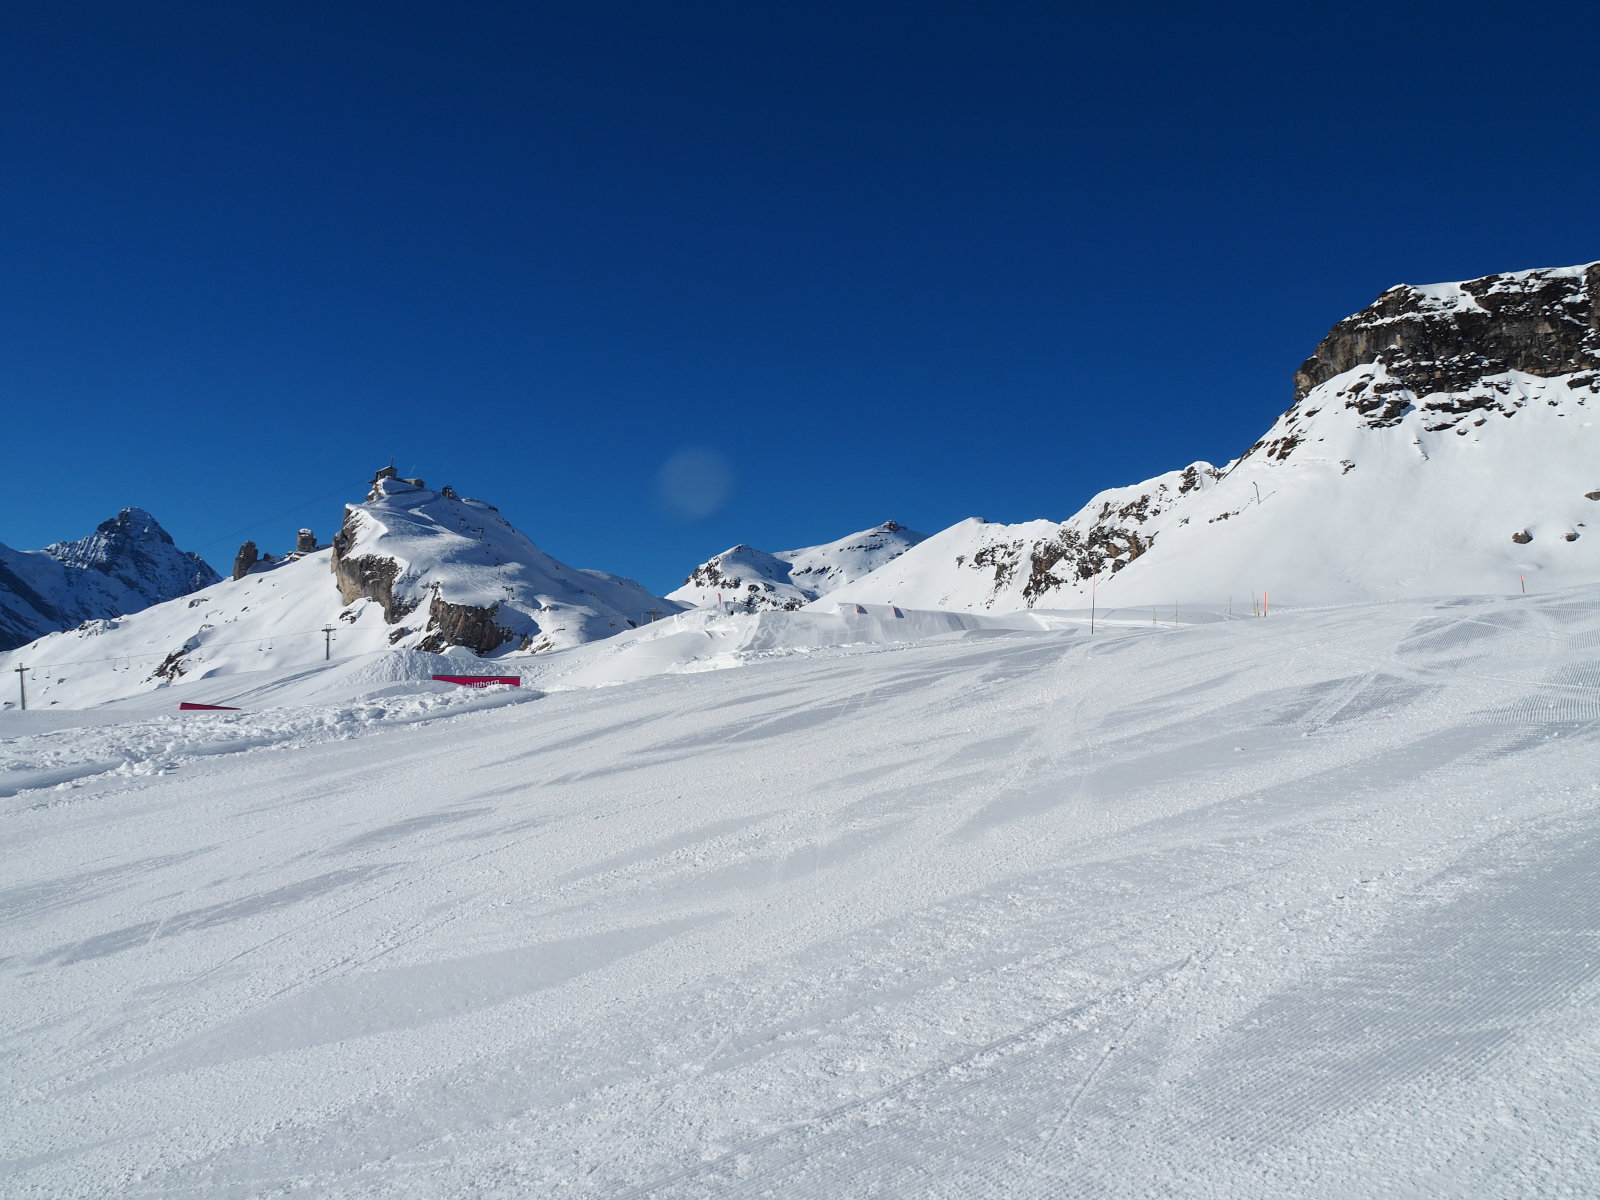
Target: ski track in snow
column 1299, row 906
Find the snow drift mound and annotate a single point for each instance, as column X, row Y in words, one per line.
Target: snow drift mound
column 716, row 639
column 364, row 677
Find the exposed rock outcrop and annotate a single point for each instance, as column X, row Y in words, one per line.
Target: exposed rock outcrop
column 369, row 576
column 1446, row 337
column 463, row 625
column 1079, row 550
column 245, row 560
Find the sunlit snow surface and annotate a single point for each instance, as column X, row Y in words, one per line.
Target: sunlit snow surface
column 1302, row 906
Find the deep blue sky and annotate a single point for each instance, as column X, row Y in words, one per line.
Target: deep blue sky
column 920, row 261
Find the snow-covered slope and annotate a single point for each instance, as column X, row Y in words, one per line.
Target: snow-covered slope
column 1301, row 907
column 1446, row 439
column 978, row 565
column 128, row 563
column 790, row 578
column 410, row 569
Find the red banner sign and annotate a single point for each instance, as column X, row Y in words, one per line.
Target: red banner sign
column 187, row 707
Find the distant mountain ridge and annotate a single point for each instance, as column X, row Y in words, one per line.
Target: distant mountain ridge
column 1445, row 439
column 789, row 579
column 127, row 564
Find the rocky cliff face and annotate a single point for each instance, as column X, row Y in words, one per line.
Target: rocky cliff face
column 367, row 576
column 471, row 625
column 244, row 561
column 1450, row 354
column 1447, row 337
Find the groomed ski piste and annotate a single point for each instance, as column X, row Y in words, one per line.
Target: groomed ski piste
column 916, row 905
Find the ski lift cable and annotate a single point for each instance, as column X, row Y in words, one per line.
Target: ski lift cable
column 341, row 490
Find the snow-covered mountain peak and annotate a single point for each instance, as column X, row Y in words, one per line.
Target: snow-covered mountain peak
column 789, row 579
column 128, row 563
column 133, row 547
column 449, row 570
column 130, row 526
column 832, row 564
